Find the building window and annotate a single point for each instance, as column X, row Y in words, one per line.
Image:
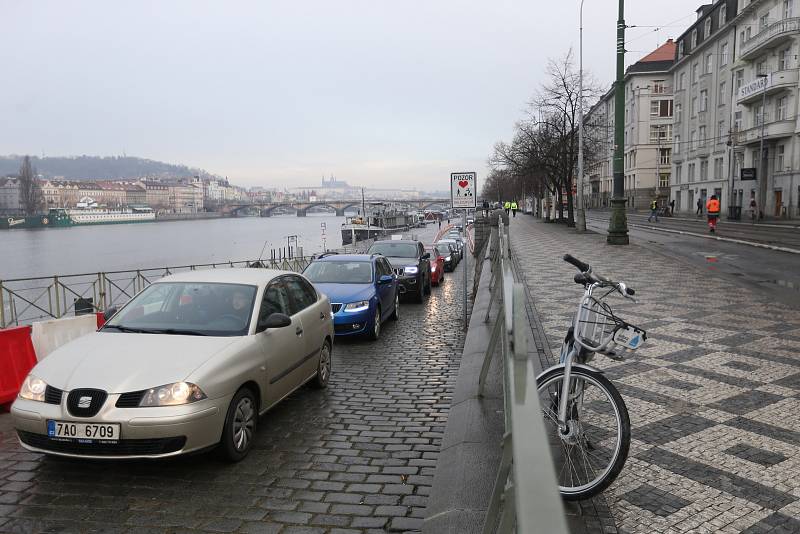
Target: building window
column 678, row 112
column 707, row 28
column 661, row 134
column 763, row 22
column 784, row 59
column 704, row 170
column 694, row 39
column 758, row 115
column 693, row 141
column 737, row 121
column 654, row 107
column 691, row 172
column 665, row 156
column 722, row 90
column 659, row 87
column 781, row 108
column 779, row 152
column 723, row 16
column 678, row 173
column 682, row 81
column 718, row 169
column 677, row 144
column 695, row 70
column 694, row 106
column 739, row 79
column 720, row 131
column 703, row 100
column 761, row 67
column 680, row 49
column 702, row 136
column 663, row 180
column 787, row 8
column 709, row 63
column 723, row 54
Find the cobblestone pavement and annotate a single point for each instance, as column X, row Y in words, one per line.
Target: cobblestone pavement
column 714, row 395
column 357, row 457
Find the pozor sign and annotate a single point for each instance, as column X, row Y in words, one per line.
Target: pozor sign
column 463, row 189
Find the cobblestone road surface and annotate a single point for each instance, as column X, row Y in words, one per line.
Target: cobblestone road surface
column 358, row 457
column 714, row 395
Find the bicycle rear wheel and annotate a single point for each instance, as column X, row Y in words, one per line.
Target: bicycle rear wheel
column 593, row 451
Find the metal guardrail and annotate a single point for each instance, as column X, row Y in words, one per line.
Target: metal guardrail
column 24, row 300
column 525, row 496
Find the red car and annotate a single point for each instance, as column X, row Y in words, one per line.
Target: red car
column 437, row 265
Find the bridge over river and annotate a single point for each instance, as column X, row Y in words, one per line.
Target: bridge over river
column 301, row 207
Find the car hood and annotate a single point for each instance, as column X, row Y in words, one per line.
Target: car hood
column 403, row 262
column 344, row 293
column 120, row 362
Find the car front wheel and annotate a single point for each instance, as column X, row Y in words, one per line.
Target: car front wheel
column 323, row 376
column 240, row 426
column 375, row 333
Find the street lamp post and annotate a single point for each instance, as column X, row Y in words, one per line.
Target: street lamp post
column 761, row 175
column 618, row 224
column 580, row 216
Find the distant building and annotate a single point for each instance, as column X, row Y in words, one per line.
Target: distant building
column 10, row 200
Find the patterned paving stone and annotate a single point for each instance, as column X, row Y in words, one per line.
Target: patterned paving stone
column 713, row 396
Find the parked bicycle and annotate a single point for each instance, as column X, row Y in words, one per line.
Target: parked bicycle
column 585, row 416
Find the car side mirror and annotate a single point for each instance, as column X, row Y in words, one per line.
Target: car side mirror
column 274, row 320
column 386, row 279
column 109, row 313
column 426, row 256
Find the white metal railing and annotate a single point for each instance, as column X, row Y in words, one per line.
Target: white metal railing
column 770, row 31
column 525, row 496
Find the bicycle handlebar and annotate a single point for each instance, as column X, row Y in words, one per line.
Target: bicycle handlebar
column 583, row 267
column 587, row 274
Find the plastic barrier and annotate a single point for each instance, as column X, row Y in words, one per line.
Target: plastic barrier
column 17, row 358
column 47, row 336
column 101, row 320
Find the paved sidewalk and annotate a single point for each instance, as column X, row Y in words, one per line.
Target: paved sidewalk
column 714, row 395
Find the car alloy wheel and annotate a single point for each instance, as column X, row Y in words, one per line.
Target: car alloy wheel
column 323, row 367
column 376, row 325
column 396, row 312
column 240, row 425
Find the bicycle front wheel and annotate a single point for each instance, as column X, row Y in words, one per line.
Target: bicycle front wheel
column 591, row 453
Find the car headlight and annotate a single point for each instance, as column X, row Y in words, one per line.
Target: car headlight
column 448, row 258
column 172, row 395
column 33, row 388
column 361, row 305
column 411, row 270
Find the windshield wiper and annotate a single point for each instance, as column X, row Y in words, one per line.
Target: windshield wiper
column 126, row 329
column 177, row 332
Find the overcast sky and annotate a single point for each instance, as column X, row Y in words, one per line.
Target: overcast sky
column 280, row 93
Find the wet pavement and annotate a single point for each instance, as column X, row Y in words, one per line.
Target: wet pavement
column 357, row 457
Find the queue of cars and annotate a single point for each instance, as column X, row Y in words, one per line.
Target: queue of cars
column 193, row 360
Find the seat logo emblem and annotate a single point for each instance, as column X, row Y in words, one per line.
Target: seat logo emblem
column 84, row 402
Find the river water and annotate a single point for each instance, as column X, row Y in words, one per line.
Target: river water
column 87, row 249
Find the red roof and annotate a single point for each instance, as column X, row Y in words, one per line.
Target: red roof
column 665, row 52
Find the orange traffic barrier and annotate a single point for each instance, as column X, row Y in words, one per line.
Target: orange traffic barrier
column 100, row 319
column 17, row 358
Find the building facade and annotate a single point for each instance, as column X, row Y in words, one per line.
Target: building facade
column 10, row 200
column 766, row 94
column 704, row 113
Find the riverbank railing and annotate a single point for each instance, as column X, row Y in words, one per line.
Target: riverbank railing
column 25, row 300
column 525, row 496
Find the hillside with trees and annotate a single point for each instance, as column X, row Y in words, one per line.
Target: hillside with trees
column 98, row 168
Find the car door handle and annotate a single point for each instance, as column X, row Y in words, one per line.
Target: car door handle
column 322, row 315
column 299, row 331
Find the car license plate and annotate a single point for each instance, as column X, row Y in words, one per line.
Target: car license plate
column 83, row 431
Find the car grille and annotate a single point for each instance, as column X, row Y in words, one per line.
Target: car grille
column 76, row 402
column 336, row 307
column 53, row 395
column 123, row 447
column 130, row 399
column 398, row 271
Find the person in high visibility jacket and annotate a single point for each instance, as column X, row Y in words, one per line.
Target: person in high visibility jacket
column 514, row 208
column 507, row 206
column 712, row 208
column 653, row 210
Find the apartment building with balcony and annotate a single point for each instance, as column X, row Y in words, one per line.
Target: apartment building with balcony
column 766, row 95
column 648, row 134
column 703, row 78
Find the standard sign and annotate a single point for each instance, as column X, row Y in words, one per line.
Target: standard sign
column 463, row 186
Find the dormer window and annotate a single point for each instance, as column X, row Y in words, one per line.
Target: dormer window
column 723, row 16
column 694, row 39
column 680, row 49
column 707, row 28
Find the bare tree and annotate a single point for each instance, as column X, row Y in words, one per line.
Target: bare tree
column 30, row 193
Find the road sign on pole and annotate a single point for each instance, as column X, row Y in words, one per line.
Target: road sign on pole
column 463, row 190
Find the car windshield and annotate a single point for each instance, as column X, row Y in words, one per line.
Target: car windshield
column 394, row 250
column 188, row 308
column 339, row 272
column 443, row 250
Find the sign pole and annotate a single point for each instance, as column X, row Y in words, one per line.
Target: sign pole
column 466, row 267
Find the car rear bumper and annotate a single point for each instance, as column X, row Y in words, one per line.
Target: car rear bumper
column 144, row 432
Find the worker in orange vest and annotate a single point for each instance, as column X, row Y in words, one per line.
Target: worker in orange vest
column 712, row 208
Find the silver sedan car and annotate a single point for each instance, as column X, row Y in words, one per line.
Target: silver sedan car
column 188, row 364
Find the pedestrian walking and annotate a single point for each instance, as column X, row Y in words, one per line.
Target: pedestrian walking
column 672, row 208
column 514, row 208
column 699, row 207
column 753, row 210
column 653, row 210
column 486, row 208
column 440, row 224
column 507, row 207
column 712, row 207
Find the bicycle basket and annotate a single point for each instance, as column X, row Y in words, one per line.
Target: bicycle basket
column 595, row 324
